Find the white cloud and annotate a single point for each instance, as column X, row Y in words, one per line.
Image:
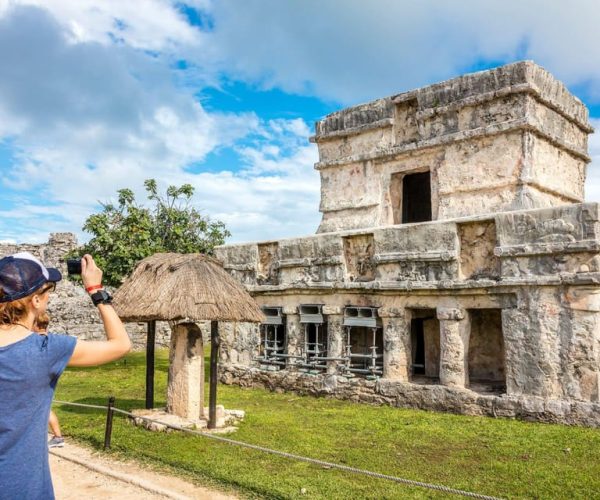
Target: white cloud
column 145, row 24
column 351, row 50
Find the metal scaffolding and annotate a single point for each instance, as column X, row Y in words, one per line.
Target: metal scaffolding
column 273, row 342
column 314, row 352
column 369, row 362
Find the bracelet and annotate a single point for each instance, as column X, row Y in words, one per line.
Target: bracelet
column 93, row 287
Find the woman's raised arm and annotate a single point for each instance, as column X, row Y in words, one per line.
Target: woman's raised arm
column 117, row 343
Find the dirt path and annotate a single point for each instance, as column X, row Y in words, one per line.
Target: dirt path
column 79, row 473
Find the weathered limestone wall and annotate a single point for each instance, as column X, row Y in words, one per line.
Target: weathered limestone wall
column 512, row 301
column 70, row 308
column 505, row 139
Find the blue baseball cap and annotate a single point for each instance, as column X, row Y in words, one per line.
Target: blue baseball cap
column 22, row 274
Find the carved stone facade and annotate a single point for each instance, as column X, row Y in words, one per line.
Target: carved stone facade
column 456, row 267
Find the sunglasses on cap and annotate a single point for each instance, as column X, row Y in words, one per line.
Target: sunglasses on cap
column 49, row 288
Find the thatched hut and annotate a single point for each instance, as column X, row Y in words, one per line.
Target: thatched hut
column 178, row 287
column 184, row 289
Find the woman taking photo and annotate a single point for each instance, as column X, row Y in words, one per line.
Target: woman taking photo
column 31, row 364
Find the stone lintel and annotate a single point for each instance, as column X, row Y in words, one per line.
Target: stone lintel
column 450, row 314
column 392, row 312
column 440, row 256
column 310, row 261
column 332, row 310
column 240, row 267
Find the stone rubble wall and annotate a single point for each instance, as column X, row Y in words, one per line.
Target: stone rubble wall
column 425, row 397
column 70, row 309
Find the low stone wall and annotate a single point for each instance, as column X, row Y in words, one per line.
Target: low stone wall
column 408, row 395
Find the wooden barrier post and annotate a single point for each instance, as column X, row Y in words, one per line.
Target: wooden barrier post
column 109, row 421
column 150, row 341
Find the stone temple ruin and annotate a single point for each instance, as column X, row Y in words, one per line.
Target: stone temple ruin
column 456, row 266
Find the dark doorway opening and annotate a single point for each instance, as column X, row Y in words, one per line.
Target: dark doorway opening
column 416, row 197
column 416, row 332
column 425, row 346
column 487, row 372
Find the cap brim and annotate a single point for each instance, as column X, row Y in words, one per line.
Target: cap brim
column 54, row 274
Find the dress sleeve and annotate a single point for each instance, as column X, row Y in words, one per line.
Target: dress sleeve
column 60, row 350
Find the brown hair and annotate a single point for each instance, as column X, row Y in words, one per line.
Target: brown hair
column 41, row 322
column 14, row 311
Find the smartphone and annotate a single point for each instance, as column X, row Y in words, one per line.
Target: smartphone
column 74, row 267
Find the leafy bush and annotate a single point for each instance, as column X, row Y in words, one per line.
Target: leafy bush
column 128, row 232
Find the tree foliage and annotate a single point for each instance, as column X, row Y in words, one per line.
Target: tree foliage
column 126, row 233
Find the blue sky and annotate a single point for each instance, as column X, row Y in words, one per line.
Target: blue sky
column 223, row 94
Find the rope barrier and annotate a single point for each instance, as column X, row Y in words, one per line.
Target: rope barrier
column 293, row 456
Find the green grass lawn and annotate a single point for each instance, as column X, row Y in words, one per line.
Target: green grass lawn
column 497, row 457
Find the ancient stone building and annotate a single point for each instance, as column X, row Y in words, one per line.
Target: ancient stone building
column 456, row 266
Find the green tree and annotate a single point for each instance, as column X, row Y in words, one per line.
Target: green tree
column 124, row 234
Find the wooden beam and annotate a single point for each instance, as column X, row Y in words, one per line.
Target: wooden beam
column 150, row 340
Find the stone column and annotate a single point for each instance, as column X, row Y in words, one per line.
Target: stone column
column 295, row 334
column 185, row 391
column 454, row 347
column 335, row 334
column 396, row 343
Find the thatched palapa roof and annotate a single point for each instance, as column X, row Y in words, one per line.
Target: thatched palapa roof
column 172, row 287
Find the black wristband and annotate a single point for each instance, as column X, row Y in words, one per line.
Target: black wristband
column 101, row 297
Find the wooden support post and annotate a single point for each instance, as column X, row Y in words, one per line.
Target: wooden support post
column 150, row 340
column 109, row 421
column 214, row 367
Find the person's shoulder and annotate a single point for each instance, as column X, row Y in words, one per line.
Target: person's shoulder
column 60, row 338
column 57, row 334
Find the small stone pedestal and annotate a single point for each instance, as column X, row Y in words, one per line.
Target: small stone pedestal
column 185, row 391
column 226, row 420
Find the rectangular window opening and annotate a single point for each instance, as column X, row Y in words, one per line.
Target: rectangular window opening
column 425, row 346
column 487, row 373
column 416, row 197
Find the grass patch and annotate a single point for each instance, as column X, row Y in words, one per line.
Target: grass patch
column 505, row 458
